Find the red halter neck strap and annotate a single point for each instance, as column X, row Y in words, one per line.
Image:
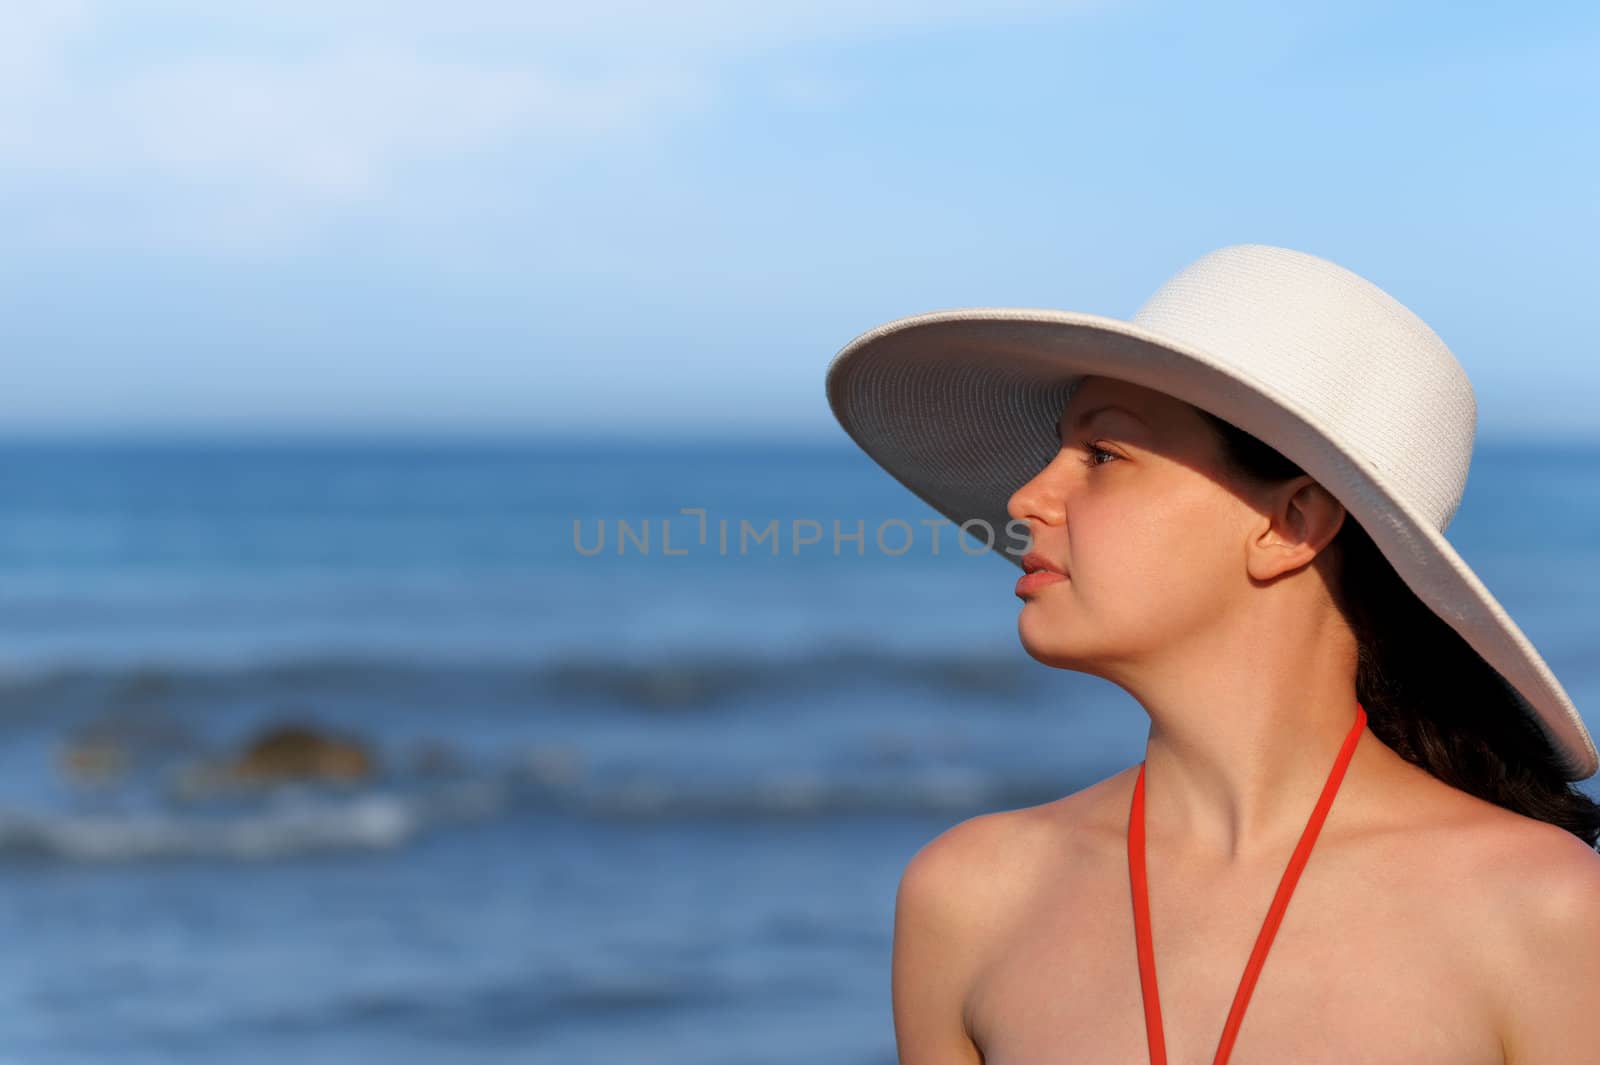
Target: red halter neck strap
column 1280, row 903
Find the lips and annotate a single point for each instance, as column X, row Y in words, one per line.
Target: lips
column 1040, row 573
column 1030, row 583
column 1033, row 562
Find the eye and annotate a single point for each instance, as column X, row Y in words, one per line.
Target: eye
column 1092, row 453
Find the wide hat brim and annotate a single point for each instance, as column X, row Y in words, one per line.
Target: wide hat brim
column 962, row 407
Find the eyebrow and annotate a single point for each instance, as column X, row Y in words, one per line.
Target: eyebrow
column 1094, row 412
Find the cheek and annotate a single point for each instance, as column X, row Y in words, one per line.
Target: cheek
column 1155, row 568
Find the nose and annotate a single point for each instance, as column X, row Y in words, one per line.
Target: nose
column 1041, row 500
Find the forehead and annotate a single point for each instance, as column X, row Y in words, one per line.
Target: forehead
column 1095, row 397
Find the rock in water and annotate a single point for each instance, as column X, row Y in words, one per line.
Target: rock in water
column 297, row 752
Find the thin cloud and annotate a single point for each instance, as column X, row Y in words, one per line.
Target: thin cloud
column 244, row 124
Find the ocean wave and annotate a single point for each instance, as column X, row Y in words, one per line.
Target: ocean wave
column 664, row 682
column 801, row 794
column 384, row 820
column 280, row 829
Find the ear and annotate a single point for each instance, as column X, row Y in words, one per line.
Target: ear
column 1300, row 518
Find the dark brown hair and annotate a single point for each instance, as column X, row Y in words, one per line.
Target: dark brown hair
column 1428, row 695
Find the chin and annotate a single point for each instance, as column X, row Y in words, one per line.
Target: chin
column 1046, row 643
column 1057, row 659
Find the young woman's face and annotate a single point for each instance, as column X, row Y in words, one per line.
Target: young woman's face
column 1138, row 513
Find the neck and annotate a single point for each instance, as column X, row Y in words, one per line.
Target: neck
column 1238, row 752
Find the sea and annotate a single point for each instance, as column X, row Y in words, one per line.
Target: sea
column 641, row 746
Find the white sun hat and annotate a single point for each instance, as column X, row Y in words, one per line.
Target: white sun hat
column 963, row 407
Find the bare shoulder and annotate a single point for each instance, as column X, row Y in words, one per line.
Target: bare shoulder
column 1513, row 901
column 1530, row 870
column 970, row 873
column 1545, row 887
column 964, row 875
column 958, row 898
column 943, row 909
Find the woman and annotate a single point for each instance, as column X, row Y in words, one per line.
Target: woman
column 1232, row 506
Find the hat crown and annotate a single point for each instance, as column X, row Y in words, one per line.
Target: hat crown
column 1353, row 359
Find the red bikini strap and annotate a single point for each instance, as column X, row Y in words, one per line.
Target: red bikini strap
column 1280, row 904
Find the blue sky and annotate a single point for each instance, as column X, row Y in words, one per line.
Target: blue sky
column 645, row 220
